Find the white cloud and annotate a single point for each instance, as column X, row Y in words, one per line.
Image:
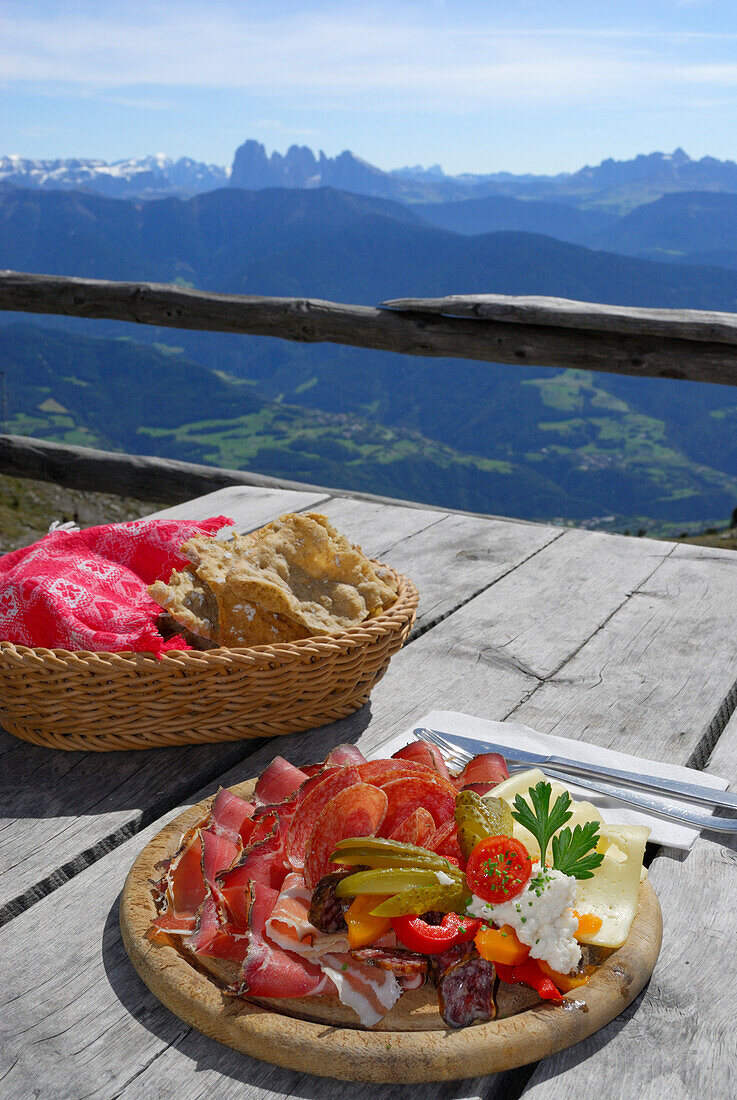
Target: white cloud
column 343, row 57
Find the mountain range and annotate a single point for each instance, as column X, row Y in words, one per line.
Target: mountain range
column 535, row 443
column 613, row 186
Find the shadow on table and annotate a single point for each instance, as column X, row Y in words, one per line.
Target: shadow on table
column 181, row 1050
column 47, row 783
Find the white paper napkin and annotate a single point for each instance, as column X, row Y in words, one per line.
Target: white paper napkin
column 515, row 735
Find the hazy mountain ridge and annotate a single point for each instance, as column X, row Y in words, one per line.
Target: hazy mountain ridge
column 528, row 442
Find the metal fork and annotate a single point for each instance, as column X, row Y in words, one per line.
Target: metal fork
column 454, row 753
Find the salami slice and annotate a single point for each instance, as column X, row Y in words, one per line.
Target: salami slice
column 312, row 805
column 488, row 767
column 417, row 828
column 422, row 753
column 381, row 772
column 445, row 842
column 407, row 795
column 345, row 754
column 356, row 811
column 466, row 992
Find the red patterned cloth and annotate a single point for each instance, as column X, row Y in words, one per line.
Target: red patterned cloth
column 88, row 589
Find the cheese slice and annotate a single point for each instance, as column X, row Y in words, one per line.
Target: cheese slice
column 612, row 892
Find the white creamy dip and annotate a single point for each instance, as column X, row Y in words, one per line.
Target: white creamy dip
column 541, row 915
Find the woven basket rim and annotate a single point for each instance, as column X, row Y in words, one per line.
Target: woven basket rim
column 406, row 595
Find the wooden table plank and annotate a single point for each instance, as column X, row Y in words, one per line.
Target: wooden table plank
column 678, row 1038
column 486, row 657
column 250, row 506
column 63, row 810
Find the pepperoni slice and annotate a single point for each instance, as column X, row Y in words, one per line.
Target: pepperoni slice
column 421, row 753
column 409, row 794
column 310, row 809
column 416, row 828
column 356, row 811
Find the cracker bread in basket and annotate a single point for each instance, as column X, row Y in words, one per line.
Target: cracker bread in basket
column 294, row 578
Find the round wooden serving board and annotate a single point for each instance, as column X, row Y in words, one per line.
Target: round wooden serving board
column 411, row 1044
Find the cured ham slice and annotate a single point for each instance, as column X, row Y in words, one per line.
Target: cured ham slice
column 218, row 854
column 345, row 754
column 230, row 816
column 422, row 753
column 278, row 782
column 214, row 939
column 369, row 991
column 356, row 811
column 406, row 795
column 488, row 767
column 184, row 887
column 267, row 970
column 310, row 808
column 417, row 828
column 289, row 924
column 262, row 862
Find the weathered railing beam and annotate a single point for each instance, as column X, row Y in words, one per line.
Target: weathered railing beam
column 145, row 477
column 413, row 331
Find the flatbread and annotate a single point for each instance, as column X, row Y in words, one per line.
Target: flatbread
column 291, row 579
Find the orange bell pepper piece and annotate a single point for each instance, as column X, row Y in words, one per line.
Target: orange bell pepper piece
column 363, row 929
column 566, row 982
column 588, row 924
column 501, row 945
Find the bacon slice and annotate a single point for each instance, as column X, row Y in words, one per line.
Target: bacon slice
column 422, row 753
column 356, row 811
column 416, row 828
column 267, row 970
column 331, row 783
column 278, row 782
column 230, row 816
column 406, row 795
column 487, row 767
column 369, row 991
column 289, row 925
column 346, row 755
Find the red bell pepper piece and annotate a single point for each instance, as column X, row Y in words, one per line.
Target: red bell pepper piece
column 530, row 973
column 430, row 939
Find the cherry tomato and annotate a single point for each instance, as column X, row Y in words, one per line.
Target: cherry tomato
column 498, row 869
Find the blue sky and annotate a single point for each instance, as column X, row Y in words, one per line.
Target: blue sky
column 475, row 85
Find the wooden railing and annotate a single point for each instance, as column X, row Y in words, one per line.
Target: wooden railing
column 693, row 345
column 552, row 332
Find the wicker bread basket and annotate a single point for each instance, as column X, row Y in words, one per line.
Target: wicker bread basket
column 103, row 701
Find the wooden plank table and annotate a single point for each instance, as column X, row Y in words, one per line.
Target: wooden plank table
column 625, row 642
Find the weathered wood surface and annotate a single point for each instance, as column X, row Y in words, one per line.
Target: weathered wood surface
column 411, row 332
column 679, row 1038
column 686, row 324
column 635, row 632
column 78, row 806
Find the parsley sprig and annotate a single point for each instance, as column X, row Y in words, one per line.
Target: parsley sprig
column 572, row 851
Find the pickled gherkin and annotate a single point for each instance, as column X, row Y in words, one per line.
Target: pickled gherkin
column 390, row 880
column 371, row 856
column 479, row 818
column 424, row 899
